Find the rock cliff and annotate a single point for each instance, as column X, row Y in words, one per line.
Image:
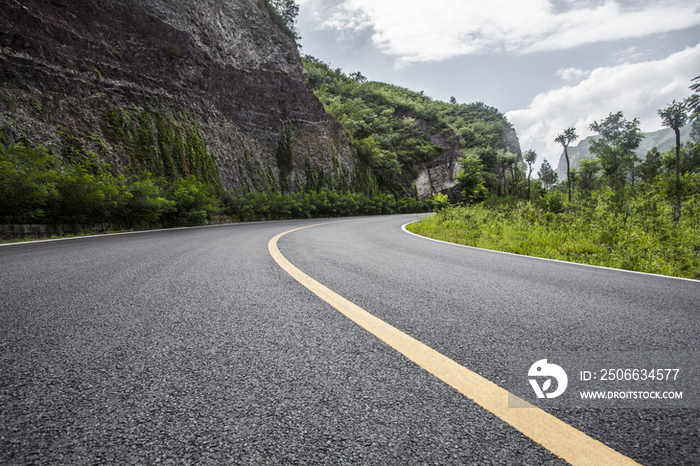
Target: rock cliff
column 440, row 174
column 213, row 88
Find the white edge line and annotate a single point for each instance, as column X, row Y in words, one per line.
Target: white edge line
column 403, row 227
column 18, row 243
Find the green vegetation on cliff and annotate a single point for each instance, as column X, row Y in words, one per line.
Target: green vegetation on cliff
column 394, row 129
column 148, row 163
column 157, row 126
column 166, row 144
column 38, row 187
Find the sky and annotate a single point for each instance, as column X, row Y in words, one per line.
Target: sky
column 546, row 64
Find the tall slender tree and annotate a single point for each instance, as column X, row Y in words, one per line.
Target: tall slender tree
column 675, row 116
column 530, row 159
column 567, row 137
column 508, row 162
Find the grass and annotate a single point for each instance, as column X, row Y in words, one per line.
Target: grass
column 41, row 237
column 25, row 238
column 642, row 241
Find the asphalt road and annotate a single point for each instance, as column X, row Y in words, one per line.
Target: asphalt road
column 193, row 346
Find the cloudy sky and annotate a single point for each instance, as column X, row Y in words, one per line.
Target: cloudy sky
column 546, row 64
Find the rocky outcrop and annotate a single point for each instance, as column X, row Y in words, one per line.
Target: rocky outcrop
column 440, row 174
column 511, row 143
column 214, row 79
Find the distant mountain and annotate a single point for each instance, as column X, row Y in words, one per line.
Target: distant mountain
column 663, row 139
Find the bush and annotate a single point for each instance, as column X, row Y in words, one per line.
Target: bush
column 193, row 203
column 143, row 204
column 316, row 204
column 643, row 237
column 439, row 201
column 28, row 183
column 37, row 187
column 554, row 202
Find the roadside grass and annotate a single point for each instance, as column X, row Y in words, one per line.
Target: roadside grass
column 639, row 240
column 50, row 236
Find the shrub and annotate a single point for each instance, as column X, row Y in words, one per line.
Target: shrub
column 193, row 203
column 316, row 204
column 28, row 183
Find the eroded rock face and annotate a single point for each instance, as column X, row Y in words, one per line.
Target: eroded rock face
column 224, row 67
column 511, row 143
column 232, row 33
column 440, row 174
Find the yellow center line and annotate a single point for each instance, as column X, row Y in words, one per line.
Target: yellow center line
column 566, row 442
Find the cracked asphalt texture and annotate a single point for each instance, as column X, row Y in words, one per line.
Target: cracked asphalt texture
column 192, row 346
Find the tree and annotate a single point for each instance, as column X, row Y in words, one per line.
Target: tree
column 285, row 12
column 675, row 116
column 29, row 179
column 651, row 165
column 615, row 148
column 587, row 174
column 547, row 175
column 693, row 102
column 574, row 176
column 693, row 146
column 508, row 161
column 567, row 137
column 358, row 77
column 695, row 132
column 696, row 86
column 530, row 159
column 634, row 171
column 471, row 178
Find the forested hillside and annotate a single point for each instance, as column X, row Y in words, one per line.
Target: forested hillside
column 407, row 141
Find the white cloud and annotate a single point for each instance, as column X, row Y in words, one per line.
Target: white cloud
column 572, row 74
column 638, row 89
column 416, row 31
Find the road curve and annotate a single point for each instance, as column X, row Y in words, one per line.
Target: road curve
column 193, row 346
